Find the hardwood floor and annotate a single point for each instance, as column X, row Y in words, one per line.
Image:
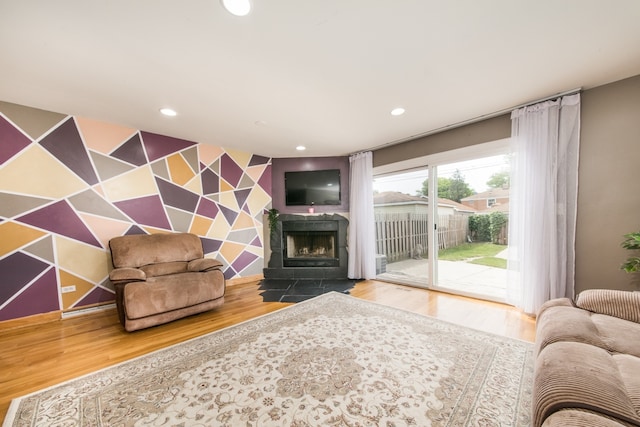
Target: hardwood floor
column 38, row 356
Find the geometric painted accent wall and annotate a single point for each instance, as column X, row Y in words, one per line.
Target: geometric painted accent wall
column 69, row 184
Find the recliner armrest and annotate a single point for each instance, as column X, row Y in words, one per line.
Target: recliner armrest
column 622, row 304
column 127, row 274
column 204, row 264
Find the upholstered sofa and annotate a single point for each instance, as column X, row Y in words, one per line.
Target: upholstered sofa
column 159, row 278
column 587, row 370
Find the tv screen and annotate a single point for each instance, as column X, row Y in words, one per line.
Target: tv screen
column 320, row 187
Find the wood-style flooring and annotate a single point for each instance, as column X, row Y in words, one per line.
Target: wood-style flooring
column 37, row 356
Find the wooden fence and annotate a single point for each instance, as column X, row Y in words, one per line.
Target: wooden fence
column 404, row 235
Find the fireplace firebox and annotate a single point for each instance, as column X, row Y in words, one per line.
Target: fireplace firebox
column 310, row 244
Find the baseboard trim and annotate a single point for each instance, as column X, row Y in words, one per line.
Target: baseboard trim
column 87, row 310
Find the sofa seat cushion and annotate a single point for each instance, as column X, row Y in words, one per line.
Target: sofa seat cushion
column 579, row 375
column 166, row 293
column 568, row 324
column 165, row 268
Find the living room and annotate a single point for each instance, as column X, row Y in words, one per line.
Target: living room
column 70, row 180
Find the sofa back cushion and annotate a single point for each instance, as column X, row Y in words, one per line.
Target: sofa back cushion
column 141, row 249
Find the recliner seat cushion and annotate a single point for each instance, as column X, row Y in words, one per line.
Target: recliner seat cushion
column 166, row 293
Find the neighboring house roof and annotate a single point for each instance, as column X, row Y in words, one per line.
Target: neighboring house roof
column 494, row 193
column 498, row 207
column 390, row 198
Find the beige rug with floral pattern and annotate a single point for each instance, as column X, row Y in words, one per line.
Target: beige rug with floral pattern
column 333, row 360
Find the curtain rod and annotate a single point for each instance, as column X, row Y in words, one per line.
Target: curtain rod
column 474, row 120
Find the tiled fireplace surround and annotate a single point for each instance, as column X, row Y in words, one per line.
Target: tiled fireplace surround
column 307, row 261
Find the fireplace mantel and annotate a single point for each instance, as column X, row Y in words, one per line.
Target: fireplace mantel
column 337, row 269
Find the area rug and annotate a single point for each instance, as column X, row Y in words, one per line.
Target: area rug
column 333, row 360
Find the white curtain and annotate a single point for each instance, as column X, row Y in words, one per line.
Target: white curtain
column 545, row 141
column 362, row 253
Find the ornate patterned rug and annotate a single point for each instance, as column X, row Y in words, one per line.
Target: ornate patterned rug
column 333, row 360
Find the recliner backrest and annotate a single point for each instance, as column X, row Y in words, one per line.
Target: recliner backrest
column 137, row 250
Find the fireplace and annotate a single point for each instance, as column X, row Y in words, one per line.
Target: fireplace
column 308, row 246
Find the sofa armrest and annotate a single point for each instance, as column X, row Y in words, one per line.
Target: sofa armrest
column 127, row 274
column 557, row 302
column 622, row 304
column 204, row 264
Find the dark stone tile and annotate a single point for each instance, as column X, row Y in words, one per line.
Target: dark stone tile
column 308, row 283
column 295, row 290
column 273, row 284
column 296, row 298
column 305, row 290
column 272, row 296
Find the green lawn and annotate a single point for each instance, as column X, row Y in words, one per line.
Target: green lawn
column 482, row 253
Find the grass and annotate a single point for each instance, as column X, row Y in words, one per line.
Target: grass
column 482, row 253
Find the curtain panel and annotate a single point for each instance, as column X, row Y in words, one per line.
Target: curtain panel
column 361, row 241
column 545, row 144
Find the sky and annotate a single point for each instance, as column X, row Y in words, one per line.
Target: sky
column 476, row 173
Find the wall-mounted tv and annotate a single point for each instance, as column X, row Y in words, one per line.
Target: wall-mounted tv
column 320, row 187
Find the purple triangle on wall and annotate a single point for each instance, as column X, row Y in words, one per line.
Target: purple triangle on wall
column 146, row 211
column 229, row 215
column 61, row 219
column 258, row 160
column 229, row 273
column 241, row 196
column 256, row 242
column 210, row 182
column 97, row 295
column 16, row 271
column 40, row 297
column 210, row 245
column 159, row 146
column 131, row 151
column 207, row 208
column 243, row 261
column 265, row 180
column 176, row 196
column 12, row 141
column 230, row 171
column 134, row 229
column 66, row 145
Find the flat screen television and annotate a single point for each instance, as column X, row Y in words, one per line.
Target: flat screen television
column 304, row 188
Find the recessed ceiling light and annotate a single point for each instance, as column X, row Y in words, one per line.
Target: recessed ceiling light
column 237, row 7
column 397, row 111
column 301, row 148
column 168, row 112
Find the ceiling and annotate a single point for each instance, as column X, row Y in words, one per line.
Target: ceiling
column 320, row 73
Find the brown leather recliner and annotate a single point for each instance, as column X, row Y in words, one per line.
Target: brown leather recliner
column 159, row 278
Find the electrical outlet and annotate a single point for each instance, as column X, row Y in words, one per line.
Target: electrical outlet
column 67, row 289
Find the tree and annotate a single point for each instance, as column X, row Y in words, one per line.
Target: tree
column 499, row 180
column 454, row 188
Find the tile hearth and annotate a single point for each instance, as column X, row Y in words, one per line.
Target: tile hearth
column 296, row 290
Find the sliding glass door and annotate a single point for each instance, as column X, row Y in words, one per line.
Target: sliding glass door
column 443, row 226
column 402, row 227
column 471, row 227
